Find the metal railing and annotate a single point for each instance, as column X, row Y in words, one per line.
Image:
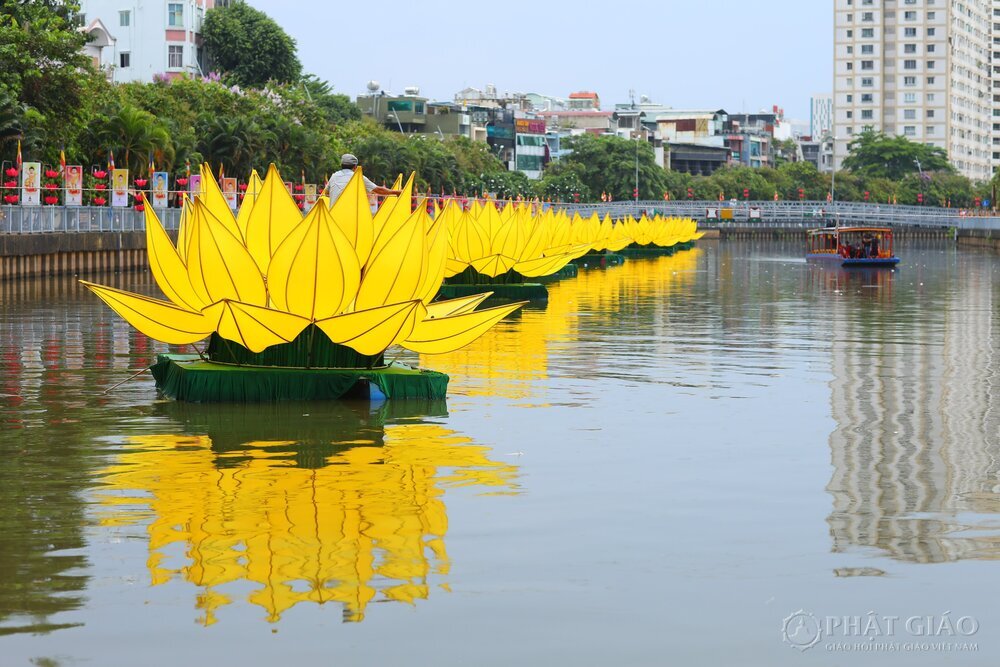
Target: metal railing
column 709, row 214
column 793, row 214
column 79, row 219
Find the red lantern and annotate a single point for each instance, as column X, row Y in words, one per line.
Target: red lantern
column 12, row 172
column 50, row 186
column 140, row 182
column 802, row 194
column 51, row 199
column 920, row 198
column 690, row 193
column 867, row 195
column 140, row 207
column 100, row 186
column 182, row 181
column 746, row 193
column 243, row 187
column 100, row 173
column 10, row 184
column 51, row 173
column 100, row 201
column 10, row 199
column 302, row 205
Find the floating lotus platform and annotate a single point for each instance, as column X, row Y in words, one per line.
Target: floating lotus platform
column 599, row 260
column 507, row 286
column 311, row 367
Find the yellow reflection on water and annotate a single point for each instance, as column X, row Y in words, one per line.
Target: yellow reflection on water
column 362, row 523
column 512, row 358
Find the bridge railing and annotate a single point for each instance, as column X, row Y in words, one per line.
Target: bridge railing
column 711, row 214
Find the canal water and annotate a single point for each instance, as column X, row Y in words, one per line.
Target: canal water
column 726, row 456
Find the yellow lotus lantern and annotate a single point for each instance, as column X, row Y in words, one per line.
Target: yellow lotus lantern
column 330, row 291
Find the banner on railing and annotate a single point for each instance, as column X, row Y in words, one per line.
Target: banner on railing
column 311, row 196
column 711, row 214
column 754, row 213
column 230, row 193
column 161, row 195
column 73, row 185
column 119, row 188
column 31, row 191
column 194, row 185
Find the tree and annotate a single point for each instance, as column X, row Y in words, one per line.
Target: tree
column 875, row 154
column 337, row 108
column 247, row 46
column 608, row 164
column 136, row 133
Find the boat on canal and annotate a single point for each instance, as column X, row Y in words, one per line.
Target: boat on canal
column 860, row 247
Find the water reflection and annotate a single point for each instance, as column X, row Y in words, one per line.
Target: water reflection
column 582, row 324
column 305, row 502
column 916, row 449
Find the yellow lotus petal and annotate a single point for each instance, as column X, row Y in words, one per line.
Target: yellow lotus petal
column 372, row 330
column 314, row 272
column 213, row 199
column 219, row 265
column 157, row 319
column 391, row 215
column 182, row 229
column 464, row 304
column 471, row 240
column 352, row 214
column 167, row 266
column 254, row 188
column 273, row 216
column 254, row 327
column 393, row 274
column 543, row 266
column 453, row 267
column 489, row 219
column 450, row 333
column 494, row 265
column 437, row 260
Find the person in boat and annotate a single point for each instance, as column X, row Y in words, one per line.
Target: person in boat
column 866, row 246
column 874, row 251
column 339, row 180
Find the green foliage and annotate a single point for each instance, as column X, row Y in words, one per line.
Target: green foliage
column 608, row 164
column 562, row 182
column 874, row 154
column 336, row 108
column 247, row 46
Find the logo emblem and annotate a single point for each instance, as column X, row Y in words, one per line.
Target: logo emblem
column 801, row 630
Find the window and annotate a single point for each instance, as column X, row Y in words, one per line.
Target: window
column 867, row 49
column 909, row 48
column 909, row 64
column 931, row 16
column 930, row 129
column 850, row 98
column 930, row 113
column 850, row 50
column 930, row 32
column 175, row 56
column 909, row 80
column 866, row 114
column 175, row 15
column 930, row 97
column 930, row 48
column 850, row 114
column 400, row 105
column 867, row 17
column 124, row 18
column 124, row 60
column 930, row 81
column 909, row 32
column 910, row 98
column 867, row 82
column 867, row 64
column 909, row 114
column 867, row 98
column 930, row 64
column 910, row 130
column 850, row 34
column 867, row 33
column 850, row 65
column 909, row 16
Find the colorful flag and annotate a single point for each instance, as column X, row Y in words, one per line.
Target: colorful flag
column 62, row 160
column 111, row 160
column 18, row 153
column 152, row 165
column 187, row 164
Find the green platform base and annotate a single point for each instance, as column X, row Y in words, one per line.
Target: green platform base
column 599, row 260
column 505, row 292
column 186, row 377
column 568, row 271
column 648, row 251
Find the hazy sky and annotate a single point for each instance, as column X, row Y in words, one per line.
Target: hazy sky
column 730, row 54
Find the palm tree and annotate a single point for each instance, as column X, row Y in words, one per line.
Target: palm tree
column 138, row 133
column 11, row 119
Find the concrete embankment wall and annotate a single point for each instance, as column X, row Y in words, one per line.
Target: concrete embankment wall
column 34, row 255
column 979, row 238
column 765, row 232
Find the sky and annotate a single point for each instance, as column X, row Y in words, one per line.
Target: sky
column 737, row 55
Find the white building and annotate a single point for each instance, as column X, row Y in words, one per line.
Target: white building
column 820, row 115
column 917, row 68
column 150, row 38
column 995, row 74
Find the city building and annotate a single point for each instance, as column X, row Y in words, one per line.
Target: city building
column 916, row 68
column 406, row 113
column 820, row 115
column 148, row 39
column 995, row 83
